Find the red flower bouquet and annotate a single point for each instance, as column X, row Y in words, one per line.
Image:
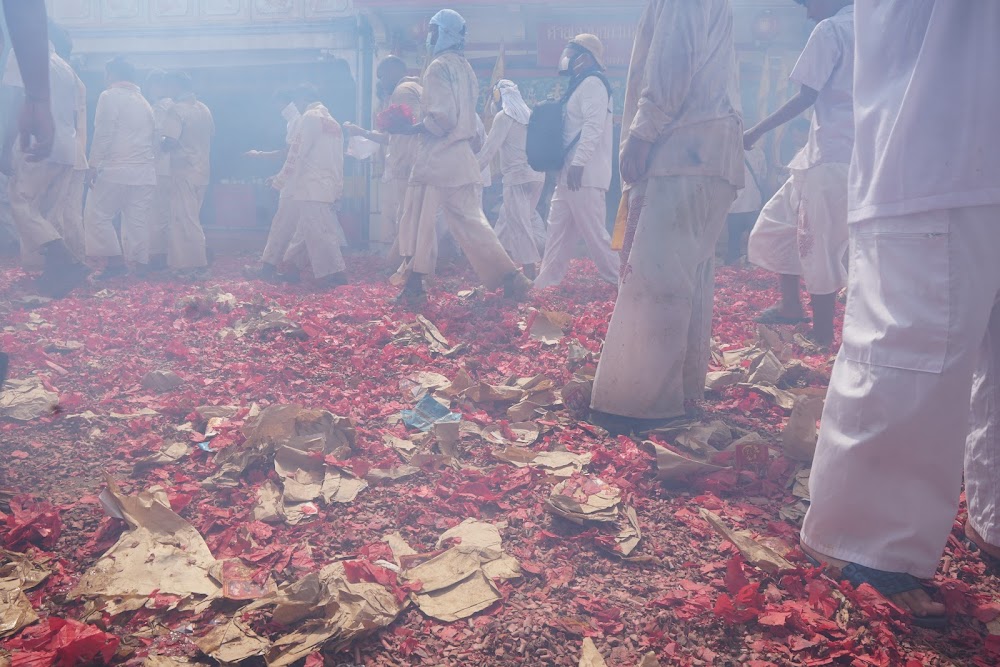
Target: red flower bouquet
column 396, row 119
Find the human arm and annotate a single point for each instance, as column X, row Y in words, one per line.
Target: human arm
column 352, row 130
column 788, row 111
column 494, row 140
column 440, row 109
column 813, row 70
column 27, row 25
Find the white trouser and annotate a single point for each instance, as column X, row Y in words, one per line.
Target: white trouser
column 185, row 237
column 71, row 210
column 656, row 352
column 576, row 215
column 802, row 230
column 921, row 320
column 280, row 235
column 516, row 227
column 394, row 211
column 462, row 209
column 104, row 202
column 33, row 190
column 160, row 217
column 318, row 237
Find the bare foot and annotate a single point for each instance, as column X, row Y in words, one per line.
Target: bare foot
column 990, row 550
column 916, row 602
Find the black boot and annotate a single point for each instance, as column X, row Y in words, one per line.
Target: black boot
column 63, row 272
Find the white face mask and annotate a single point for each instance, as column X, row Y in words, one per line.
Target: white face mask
column 430, row 44
column 564, row 64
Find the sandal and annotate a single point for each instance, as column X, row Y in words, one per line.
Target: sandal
column 773, row 316
column 887, row 584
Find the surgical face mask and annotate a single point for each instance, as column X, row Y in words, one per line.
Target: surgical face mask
column 564, row 64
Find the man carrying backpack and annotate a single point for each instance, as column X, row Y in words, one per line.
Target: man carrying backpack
column 682, row 162
column 578, row 208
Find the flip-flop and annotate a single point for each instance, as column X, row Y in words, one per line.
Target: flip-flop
column 887, row 584
column 773, row 316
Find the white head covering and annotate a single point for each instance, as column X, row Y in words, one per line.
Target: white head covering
column 451, row 30
column 512, row 102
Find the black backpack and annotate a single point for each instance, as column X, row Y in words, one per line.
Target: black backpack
column 544, row 145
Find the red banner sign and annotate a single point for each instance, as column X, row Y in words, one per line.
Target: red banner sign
column 616, row 37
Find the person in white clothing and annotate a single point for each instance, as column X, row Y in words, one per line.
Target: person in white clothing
column 284, row 224
column 446, row 175
column 158, row 96
column 802, row 231
column 311, row 181
column 188, row 137
column 922, row 327
column 395, row 89
column 37, row 188
column 522, row 185
column 578, row 207
column 682, row 163
column 122, row 173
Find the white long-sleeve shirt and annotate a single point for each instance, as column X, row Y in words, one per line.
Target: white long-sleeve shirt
column 124, row 133
column 683, row 89
column 589, row 114
column 508, row 138
column 314, row 168
column 926, row 95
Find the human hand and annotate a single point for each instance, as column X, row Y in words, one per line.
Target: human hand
column 750, row 137
column 574, row 177
column 634, row 161
column 36, row 123
column 353, row 130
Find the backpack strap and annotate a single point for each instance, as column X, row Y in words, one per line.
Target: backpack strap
column 572, row 89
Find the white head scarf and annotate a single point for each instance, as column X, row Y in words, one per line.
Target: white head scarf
column 451, row 30
column 512, row 102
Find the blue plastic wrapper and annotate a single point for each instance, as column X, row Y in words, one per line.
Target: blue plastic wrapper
column 428, row 412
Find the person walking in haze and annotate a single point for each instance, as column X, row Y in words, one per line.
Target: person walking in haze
column 158, row 95
column 396, row 89
column 188, row 132
column 922, row 326
column 682, row 162
column 802, row 230
column 38, row 186
column 311, row 181
column 522, row 185
column 578, row 209
column 26, row 19
column 446, row 174
column 122, row 173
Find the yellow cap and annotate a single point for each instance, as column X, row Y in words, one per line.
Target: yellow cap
column 592, row 44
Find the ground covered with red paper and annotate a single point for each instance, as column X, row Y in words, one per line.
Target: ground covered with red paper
column 686, row 594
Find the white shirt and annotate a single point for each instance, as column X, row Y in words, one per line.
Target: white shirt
column 683, row 92
column 124, row 134
column 314, row 168
column 827, row 66
column 63, row 96
column 926, row 99
column 508, row 138
column 589, row 114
